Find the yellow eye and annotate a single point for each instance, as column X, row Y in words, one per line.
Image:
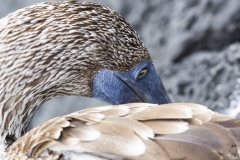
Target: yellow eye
column 143, row 73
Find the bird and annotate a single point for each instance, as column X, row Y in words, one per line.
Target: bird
column 53, row 49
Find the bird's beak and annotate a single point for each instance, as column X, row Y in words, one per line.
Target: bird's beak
column 155, row 94
column 119, row 88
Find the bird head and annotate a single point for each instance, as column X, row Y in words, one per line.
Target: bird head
column 70, row 48
column 140, row 84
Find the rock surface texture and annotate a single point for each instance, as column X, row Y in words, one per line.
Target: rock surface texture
column 194, row 44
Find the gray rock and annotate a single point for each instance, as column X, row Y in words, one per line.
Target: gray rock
column 205, row 77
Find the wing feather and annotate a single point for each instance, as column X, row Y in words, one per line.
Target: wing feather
column 135, row 131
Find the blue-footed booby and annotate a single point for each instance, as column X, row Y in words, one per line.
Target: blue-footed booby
column 79, row 48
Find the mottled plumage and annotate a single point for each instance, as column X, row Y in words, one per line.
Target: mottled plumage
column 56, row 48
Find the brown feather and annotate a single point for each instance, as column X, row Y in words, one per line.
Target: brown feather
column 166, row 126
column 165, row 111
column 120, row 136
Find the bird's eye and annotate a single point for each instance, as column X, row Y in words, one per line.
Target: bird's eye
column 143, row 73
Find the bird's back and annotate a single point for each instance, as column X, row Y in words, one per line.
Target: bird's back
column 133, row 131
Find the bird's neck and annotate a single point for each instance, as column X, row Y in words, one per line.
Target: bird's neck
column 17, row 111
column 21, row 95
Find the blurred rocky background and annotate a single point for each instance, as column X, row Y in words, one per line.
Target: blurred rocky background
column 194, row 45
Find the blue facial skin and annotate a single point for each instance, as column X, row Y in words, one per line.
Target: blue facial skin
column 119, row 88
